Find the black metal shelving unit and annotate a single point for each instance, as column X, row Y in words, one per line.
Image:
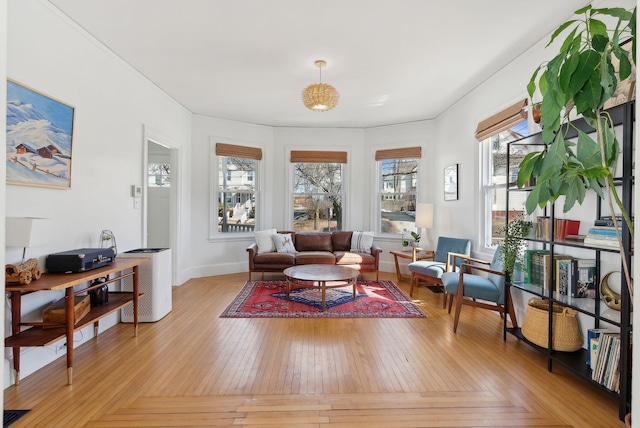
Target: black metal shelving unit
column 623, row 115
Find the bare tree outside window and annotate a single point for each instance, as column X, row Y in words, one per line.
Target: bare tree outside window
column 317, row 196
column 159, row 175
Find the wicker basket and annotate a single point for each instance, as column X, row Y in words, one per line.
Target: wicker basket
column 566, row 332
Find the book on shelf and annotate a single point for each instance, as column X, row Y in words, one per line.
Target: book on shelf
column 603, row 236
column 607, row 221
column 578, row 238
column 543, row 227
column 593, row 336
column 583, row 278
column 563, row 274
column 607, row 366
column 528, row 266
column 564, row 227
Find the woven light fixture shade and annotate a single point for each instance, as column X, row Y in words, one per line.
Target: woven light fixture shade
column 320, row 96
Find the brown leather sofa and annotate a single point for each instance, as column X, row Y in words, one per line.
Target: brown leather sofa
column 315, row 248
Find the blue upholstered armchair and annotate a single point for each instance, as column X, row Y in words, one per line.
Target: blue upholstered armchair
column 478, row 283
column 431, row 271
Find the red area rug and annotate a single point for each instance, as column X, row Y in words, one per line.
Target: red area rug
column 268, row 299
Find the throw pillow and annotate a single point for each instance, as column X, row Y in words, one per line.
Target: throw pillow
column 265, row 241
column 284, row 243
column 361, row 242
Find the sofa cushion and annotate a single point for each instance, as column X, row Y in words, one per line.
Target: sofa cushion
column 361, row 242
column 315, row 258
column 275, row 259
column 264, row 239
column 313, row 241
column 284, row 243
column 350, row 258
column 341, row 240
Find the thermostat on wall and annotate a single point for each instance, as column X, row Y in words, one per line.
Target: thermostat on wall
column 136, row 191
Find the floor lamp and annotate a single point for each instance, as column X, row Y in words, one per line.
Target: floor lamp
column 424, row 220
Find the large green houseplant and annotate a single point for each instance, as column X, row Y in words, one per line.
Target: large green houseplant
column 581, row 76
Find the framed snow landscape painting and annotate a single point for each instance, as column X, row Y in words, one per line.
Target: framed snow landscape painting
column 39, row 138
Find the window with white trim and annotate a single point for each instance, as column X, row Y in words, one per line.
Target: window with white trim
column 236, row 186
column 495, row 134
column 317, row 190
column 397, row 189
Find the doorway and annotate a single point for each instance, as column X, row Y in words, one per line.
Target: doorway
column 160, row 199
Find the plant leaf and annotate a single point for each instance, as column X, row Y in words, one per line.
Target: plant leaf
column 559, row 30
column 527, row 166
column 589, row 60
column 600, row 42
column 588, row 98
column 597, row 27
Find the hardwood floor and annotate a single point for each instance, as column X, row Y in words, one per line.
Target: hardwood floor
column 195, row 369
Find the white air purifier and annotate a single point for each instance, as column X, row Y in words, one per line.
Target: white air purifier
column 154, row 282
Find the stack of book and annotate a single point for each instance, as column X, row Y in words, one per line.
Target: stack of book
column 573, row 277
column 604, row 358
column 604, row 233
column 561, row 228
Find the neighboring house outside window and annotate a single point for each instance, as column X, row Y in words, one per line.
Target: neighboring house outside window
column 397, row 189
column 236, row 187
column 317, row 192
column 494, row 146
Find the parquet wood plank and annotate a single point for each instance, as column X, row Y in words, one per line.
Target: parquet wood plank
column 193, row 368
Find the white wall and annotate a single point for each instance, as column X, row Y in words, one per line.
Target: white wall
column 3, row 142
column 227, row 255
column 113, row 105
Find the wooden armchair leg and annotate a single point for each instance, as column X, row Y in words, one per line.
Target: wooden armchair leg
column 456, row 317
column 413, row 277
column 450, row 297
column 444, row 297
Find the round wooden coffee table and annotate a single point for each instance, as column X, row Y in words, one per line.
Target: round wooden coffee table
column 323, row 277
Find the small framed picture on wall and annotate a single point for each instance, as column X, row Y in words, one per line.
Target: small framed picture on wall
column 451, row 183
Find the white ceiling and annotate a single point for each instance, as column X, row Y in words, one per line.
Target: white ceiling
column 393, row 61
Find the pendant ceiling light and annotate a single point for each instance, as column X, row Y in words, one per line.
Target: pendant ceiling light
column 320, row 96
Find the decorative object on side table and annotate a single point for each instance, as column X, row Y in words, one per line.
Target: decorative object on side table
column 108, row 240
column 23, row 273
column 410, row 239
column 99, row 296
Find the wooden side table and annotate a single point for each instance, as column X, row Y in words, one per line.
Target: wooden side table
column 421, row 255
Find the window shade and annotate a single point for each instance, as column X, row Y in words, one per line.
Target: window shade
column 233, row 151
column 305, row 156
column 406, row 153
column 502, row 121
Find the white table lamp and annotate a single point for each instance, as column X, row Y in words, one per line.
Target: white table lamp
column 26, row 232
column 424, row 218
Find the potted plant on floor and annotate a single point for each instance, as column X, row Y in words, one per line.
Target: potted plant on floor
column 579, row 80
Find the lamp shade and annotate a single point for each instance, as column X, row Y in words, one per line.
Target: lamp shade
column 26, row 231
column 424, row 215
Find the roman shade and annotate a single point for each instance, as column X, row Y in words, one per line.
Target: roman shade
column 234, row 151
column 502, row 121
column 406, row 153
column 310, row 156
